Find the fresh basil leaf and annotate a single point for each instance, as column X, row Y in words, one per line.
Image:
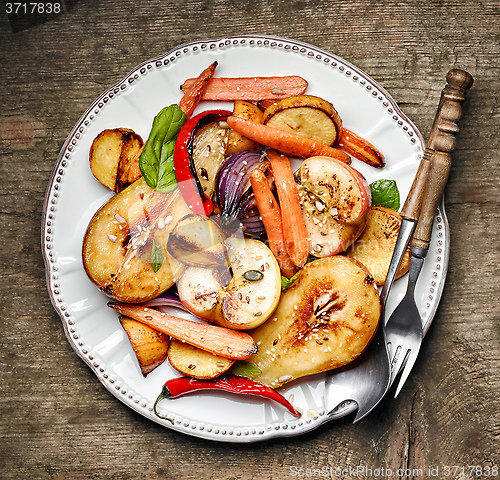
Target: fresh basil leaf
column 246, row 369
column 385, row 193
column 286, row 282
column 157, row 256
column 157, row 158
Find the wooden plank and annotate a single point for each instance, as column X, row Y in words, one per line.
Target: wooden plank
column 57, row 421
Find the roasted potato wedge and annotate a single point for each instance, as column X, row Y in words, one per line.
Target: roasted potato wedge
column 307, row 115
column 194, row 362
column 124, row 248
column 236, row 141
column 150, row 346
column 376, row 244
column 114, row 158
column 324, row 320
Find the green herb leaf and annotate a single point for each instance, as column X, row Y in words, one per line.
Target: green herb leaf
column 157, row 256
column 157, row 158
column 286, row 282
column 246, row 369
column 385, row 193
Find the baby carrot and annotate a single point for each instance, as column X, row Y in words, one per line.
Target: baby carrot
column 193, row 94
column 218, row 340
column 294, row 228
column 251, row 88
column 270, row 213
column 360, row 148
column 287, row 143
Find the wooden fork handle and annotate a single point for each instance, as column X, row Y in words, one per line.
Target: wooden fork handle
column 442, row 142
column 448, row 114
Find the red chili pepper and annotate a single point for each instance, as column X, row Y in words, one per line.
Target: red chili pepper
column 185, row 171
column 229, row 383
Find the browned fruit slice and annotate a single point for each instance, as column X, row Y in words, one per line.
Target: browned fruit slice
column 307, row 115
column 376, row 244
column 195, row 362
column 324, row 320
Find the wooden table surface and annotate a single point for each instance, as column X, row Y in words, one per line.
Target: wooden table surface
column 57, row 421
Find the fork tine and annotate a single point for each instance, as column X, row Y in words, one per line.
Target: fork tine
column 398, row 357
column 412, row 357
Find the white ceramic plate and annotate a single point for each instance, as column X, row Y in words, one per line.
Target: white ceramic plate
column 73, row 196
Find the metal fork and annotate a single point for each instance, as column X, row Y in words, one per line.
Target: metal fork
column 364, row 382
column 403, row 330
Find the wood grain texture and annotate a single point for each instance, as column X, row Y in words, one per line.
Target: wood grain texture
column 57, row 421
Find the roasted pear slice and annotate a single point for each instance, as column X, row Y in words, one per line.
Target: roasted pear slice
column 194, row 362
column 114, row 158
column 376, row 244
column 209, row 149
column 124, row 250
column 150, row 346
column 334, row 199
column 249, row 298
column 324, row 320
column 197, row 241
column 307, row 115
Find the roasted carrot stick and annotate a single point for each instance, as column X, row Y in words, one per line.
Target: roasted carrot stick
column 218, row 340
column 270, row 213
column 251, row 88
column 360, row 148
column 294, row 228
column 194, row 93
column 288, row 143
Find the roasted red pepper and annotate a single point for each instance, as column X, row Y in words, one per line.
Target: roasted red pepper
column 185, row 170
column 228, row 383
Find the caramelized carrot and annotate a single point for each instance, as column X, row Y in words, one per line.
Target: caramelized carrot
column 251, row 88
column 288, row 143
column 217, row 340
column 360, row 148
column 194, row 93
column 270, row 213
column 294, row 228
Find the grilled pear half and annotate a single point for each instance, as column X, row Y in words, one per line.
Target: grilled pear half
column 124, row 250
column 376, row 244
column 307, row 115
column 324, row 320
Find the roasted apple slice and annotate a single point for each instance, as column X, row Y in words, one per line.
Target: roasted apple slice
column 194, row 362
column 124, row 250
column 311, row 116
column 209, row 149
column 114, row 158
column 324, row 320
column 376, row 244
column 247, row 300
column 197, row 241
column 335, row 199
column 150, row 346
